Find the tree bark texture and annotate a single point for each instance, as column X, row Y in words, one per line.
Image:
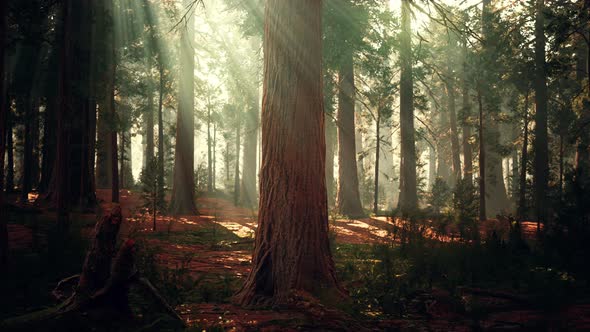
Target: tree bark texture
column 292, row 251
column 183, row 188
column 348, row 200
column 408, row 200
column 540, row 143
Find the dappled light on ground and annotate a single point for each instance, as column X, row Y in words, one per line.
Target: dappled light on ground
column 213, row 251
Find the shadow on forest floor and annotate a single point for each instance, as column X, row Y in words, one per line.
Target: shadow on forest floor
column 198, row 262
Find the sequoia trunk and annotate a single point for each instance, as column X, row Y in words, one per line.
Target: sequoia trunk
column 292, row 251
column 348, row 199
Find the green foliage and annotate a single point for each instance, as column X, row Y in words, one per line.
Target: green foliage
column 466, row 208
column 440, row 195
column 152, row 191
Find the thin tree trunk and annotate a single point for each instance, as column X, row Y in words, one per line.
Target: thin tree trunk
column 331, row 136
column 377, row 151
column 161, row 185
column 540, row 144
column 292, row 252
column 482, row 161
column 248, row 187
column 524, row 162
column 49, row 137
column 114, row 126
column 9, row 184
column 467, row 148
column 183, row 188
column 348, row 198
column 209, row 152
column 431, row 166
column 582, row 158
column 561, row 165
column 63, row 144
column 27, row 105
column 237, row 166
column 455, row 149
column 408, row 200
column 3, row 137
column 149, row 117
column 214, row 155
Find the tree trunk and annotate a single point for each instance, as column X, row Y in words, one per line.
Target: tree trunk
column 348, row 198
column 237, row 165
column 149, row 117
column 466, row 113
column 582, row 158
column 114, row 125
column 214, row 155
column 248, row 194
column 540, row 144
column 49, row 137
column 482, row 161
column 3, row 137
column 455, row 150
column 209, row 152
column 408, row 200
column 161, row 186
column 497, row 199
column 77, row 152
column 431, row 166
column 331, row 136
column 377, row 151
column 524, row 162
column 126, row 160
column 9, row 179
column 183, row 189
column 61, row 169
column 292, row 251
column 26, row 105
column 103, row 145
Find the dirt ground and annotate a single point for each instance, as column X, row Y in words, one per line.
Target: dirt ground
column 172, row 237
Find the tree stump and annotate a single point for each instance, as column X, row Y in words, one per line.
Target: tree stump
column 102, row 288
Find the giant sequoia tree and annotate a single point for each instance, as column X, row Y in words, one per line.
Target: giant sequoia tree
column 408, row 198
column 292, row 251
column 183, row 189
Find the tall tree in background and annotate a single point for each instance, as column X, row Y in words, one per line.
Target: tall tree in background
column 408, row 199
column 540, row 143
column 292, row 250
column 344, row 24
column 3, row 136
column 248, row 187
column 183, row 188
column 489, row 78
column 465, row 115
column 72, row 181
column 348, row 198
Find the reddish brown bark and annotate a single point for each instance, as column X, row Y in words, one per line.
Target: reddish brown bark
column 408, row 198
column 97, row 265
column 292, row 251
column 183, row 188
column 72, row 183
column 348, row 200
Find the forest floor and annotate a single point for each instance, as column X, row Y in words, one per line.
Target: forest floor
column 198, row 262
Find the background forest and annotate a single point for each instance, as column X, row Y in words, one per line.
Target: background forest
column 280, row 164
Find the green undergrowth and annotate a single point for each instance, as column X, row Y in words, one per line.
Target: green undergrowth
column 383, row 279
